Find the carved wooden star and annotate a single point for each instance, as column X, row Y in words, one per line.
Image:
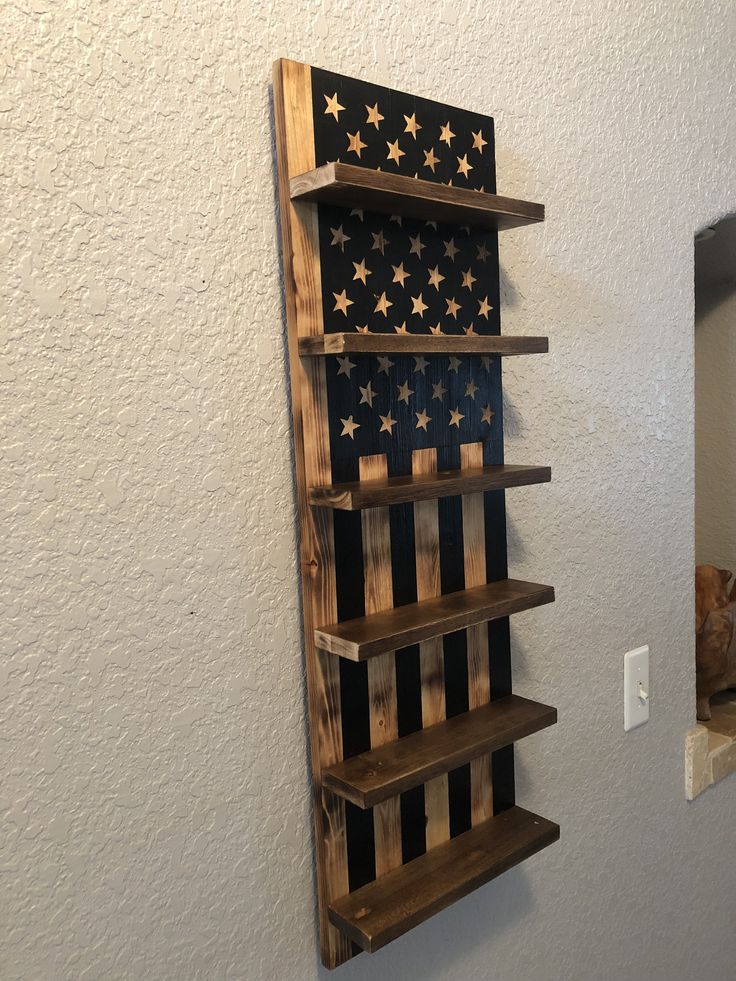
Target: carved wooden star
column 342, row 302
column 384, row 364
column 397, row 219
column 455, row 417
column 357, row 213
column 471, row 388
column 355, row 144
column 361, row 271
column 436, row 330
column 469, row 279
column 423, row 420
column 463, row 167
column 412, row 126
column 483, row 252
column 420, row 363
column 333, row 106
column 438, row 391
column 363, row 330
column 452, row 308
column 416, row 245
column 454, row 363
column 349, row 427
column 402, row 329
column 484, row 307
column 486, row 361
column 487, row 415
column 435, row 277
column 430, row 159
column 346, row 366
column 451, row 250
column 446, row 133
column 368, row 395
column 374, row 116
column 395, row 152
column 418, row 305
column 478, row 141
column 387, row 423
column 379, row 242
column 339, row 238
column 405, row 392
column 382, row 304
column 400, row 273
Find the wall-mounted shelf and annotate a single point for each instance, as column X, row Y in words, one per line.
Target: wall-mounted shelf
column 372, row 777
column 383, row 910
column 379, row 190
column 360, row 494
column 407, row 344
column 390, row 630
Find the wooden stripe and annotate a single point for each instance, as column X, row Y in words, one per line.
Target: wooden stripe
column 479, row 678
column 299, row 228
column 427, row 550
column 381, row 670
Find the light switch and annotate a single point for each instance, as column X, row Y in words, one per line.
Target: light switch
column 636, row 688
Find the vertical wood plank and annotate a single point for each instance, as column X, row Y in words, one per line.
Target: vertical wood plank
column 301, row 263
column 384, row 720
column 479, row 679
column 427, row 547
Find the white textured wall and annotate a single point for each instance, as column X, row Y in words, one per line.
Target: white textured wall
column 154, row 776
column 715, row 398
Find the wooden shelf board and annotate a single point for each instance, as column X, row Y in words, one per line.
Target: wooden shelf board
column 397, row 194
column 402, row 626
column 360, row 494
column 383, row 910
column 375, row 776
column 319, row 345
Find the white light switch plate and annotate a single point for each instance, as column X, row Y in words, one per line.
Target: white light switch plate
column 636, row 688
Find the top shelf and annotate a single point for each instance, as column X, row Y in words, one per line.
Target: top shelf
column 395, row 194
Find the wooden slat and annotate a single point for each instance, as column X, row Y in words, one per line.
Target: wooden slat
column 302, row 279
column 367, row 637
column 387, row 908
column 396, row 194
column 356, row 495
column 479, row 679
column 431, row 656
column 380, row 774
column 360, row 343
column 384, row 723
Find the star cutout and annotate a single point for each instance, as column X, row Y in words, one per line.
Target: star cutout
column 362, row 330
column 435, row 277
column 346, row 366
column 470, row 331
column 423, row 420
column 455, row 417
column 412, row 126
column 446, row 134
column 339, row 238
column 357, row 213
column 463, row 167
column 484, row 307
column 395, row 152
column 397, row 219
column 435, row 330
column 469, row 279
column 431, row 224
column 379, row 242
column 452, row 308
column 486, row 362
column 368, row 395
column 470, row 389
column 478, row 141
column 429, row 158
column 374, row 116
column 438, row 391
column 384, row 364
column 387, row 423
column 418, row 305
column 454, row 363
column 420, row 363
column 333, row 106
column 355, row 144
column 349, row 427
column 382, row 304
column 416, row 245
column 487, row 414
column 483, row 252
column 361, row 271
column 451, row 250
column 342, row 302
column 402, row 329
column 405, row 392
column 400, row 273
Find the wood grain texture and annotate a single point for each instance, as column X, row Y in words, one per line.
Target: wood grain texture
column 479, row 677
column 384, row 723
column 367, row 637
column 408, row 344
column 397, row 194
column 302, row 287
column 356, row 495
column 385, row 909
column 431, row 656
column 372, row 777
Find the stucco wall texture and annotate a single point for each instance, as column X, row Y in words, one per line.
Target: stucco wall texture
column 155, row 790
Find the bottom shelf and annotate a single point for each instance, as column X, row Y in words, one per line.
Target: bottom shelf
column 383, row 910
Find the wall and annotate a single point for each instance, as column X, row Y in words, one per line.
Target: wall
column 715, row 397
column 155, row 798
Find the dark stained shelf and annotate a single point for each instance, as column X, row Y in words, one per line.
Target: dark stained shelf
column 375, row 776
column 388, row 907
column 319, row 345
column 360, row 494
column 402, row 626
column 396, row 194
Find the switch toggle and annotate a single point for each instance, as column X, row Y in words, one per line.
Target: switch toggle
column 636, row 688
